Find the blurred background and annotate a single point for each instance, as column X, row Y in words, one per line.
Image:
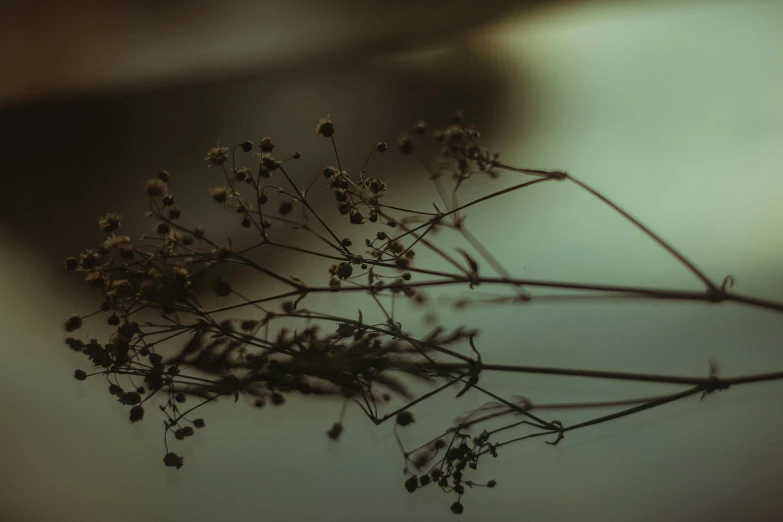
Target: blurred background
column 672, row 108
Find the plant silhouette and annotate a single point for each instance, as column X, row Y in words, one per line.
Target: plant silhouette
column 353, row 359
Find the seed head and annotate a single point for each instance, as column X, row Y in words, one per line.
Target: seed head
column 335, row 431
column 173, row 460
column 405, row 144
column 122, row 287
column 80, row 375
column 325, row 128
column 156, row 188
column 130, row 398
column 345, row 329
column 286, row 207
column 73, row 323
column 247, row 146
column 268, row 162
column 404, row 418
column 71, row 263
column 248, row 324
column 110, row 222
column 95, row 279
column 266, row 145
column 344, row 270
column 222, row 288
column 217, row 155
column 75, row 344
column 136, row 413
column 243, row 174
column 125, row 250
column 377, row 186
column 356, row 217
column 220, row 194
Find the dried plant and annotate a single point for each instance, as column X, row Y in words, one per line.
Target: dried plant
column 350, row 358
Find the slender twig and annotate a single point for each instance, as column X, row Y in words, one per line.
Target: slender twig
column 363, row 361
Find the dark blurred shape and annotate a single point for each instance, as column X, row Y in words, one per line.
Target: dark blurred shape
column 49, row 49
column 125, row 89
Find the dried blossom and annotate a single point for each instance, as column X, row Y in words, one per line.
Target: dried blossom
column 186, row 350
column 325, row 128
column 217, row 155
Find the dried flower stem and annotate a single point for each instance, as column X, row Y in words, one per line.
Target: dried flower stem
column 367, row 364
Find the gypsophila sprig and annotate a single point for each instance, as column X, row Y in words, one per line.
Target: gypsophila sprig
column 165, row 348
